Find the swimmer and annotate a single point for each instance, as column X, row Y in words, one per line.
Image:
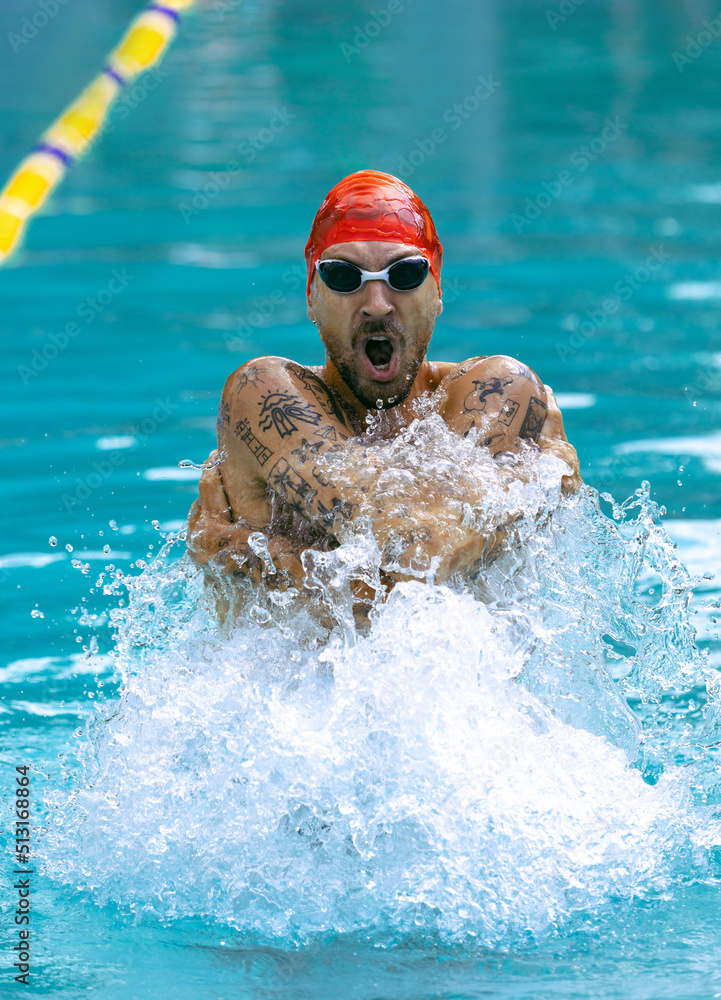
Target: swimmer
column 374, row 292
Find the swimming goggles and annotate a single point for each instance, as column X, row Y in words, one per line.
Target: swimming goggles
column 403, row 275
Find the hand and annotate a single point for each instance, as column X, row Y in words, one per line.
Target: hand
column 553, row 440
column 213, row 537
column 210, row 519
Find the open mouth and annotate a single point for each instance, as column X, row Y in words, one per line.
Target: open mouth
column 380, row 353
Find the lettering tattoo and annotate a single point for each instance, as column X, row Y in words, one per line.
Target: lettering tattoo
column 533, row 421
column 250, row 375
column 296, row 491
column 281, row 409
column 476, row 399
column 257, row 448
column 332, row 406
column 223, row 415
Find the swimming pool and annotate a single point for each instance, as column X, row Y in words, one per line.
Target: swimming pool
column 576, row 196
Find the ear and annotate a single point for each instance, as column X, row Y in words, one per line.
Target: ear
column 440, row 307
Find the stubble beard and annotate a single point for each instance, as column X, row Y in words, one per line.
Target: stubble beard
column 367, row 391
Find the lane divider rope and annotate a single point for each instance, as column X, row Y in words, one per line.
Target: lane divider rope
column 73, row 133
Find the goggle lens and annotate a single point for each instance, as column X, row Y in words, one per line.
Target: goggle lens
column 404, row 275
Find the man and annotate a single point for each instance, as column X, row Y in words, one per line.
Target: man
column 374, row 262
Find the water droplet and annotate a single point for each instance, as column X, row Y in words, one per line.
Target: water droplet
column 106, row 550
column 52, row 541
column 36, row 614
column 113, row 525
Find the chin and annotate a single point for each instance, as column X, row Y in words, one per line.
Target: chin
column 390, row 393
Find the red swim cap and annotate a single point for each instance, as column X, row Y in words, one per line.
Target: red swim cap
column 370, row 205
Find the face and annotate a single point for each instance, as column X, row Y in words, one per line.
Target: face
column 376, row 337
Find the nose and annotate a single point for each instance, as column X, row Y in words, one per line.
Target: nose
column 377, row 302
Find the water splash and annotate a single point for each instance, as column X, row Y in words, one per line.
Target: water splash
column 479, row 761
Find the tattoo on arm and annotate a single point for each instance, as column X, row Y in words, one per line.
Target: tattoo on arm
column 223, row 417
column 321, row 476
column 296, row 491
column 250, row 376
column 533, row 421
column 476, row 399
column 257, row 448
column 299, row 494
column 338, row 508
column 332, row 405
column 281, row 409
column 331, row 435
column 510, row 409
column 307, row 448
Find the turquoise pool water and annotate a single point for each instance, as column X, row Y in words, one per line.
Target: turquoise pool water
column 577, row 197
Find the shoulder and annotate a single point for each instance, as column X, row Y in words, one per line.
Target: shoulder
column 495, row 366
column 256, row 373
column 274, row 385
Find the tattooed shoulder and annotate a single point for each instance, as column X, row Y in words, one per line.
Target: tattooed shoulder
column 330, row 402
column 250, row 375
column 283, row 411
column 533, row 420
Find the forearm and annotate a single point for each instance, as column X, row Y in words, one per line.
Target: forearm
column 244, row 553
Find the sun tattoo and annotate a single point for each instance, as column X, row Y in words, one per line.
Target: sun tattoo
column 281, row 409
column 249, row 376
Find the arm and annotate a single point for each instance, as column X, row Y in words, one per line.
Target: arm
column 279, row 424
column 497, row 396
column 214, row 539
column 507, row 403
